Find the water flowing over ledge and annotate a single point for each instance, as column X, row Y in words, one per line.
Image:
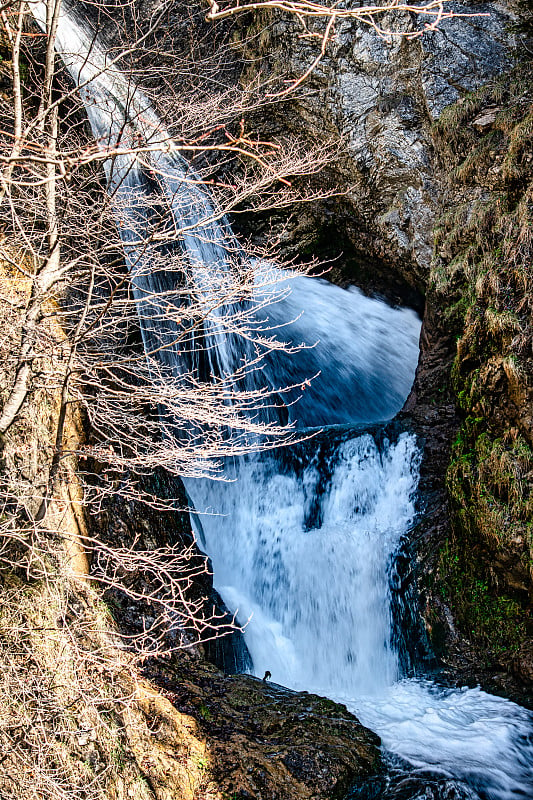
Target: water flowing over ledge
column 307, row 556
column 307, row 548
column 304, row 549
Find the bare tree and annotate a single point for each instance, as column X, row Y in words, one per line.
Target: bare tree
column 132, row 306
column 111, row 334
column 317, row 21
column 133, row 331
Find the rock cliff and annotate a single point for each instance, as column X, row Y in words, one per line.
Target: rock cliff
column 380, row 98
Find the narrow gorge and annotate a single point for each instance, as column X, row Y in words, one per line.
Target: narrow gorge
column 362, row 483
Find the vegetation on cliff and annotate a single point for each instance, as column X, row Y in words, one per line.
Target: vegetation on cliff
column 94, row 592
column 483, row 278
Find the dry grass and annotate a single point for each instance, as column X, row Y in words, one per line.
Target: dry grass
column 75, row 719
column 59, row 722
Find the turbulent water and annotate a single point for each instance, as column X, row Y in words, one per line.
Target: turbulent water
column 306, row 556
column 303, row 549
column 303, row 542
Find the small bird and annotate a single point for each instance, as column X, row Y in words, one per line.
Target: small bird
column 267, row 676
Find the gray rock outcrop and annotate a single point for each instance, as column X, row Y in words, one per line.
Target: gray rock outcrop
column 381, row 96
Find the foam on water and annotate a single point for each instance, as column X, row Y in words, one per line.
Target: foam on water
column 303, row 551
column 314, row 578
column 467, row 733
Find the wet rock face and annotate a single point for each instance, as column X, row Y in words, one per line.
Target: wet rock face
column 268, row 743
column 143, row 528
column 381, row 98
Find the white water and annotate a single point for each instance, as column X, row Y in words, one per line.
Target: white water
column 306, row 540
column 314, row 576
column 312, row 579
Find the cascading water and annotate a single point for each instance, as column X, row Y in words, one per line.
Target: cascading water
column 302, row 541
column 307, row 556
column 158, row 199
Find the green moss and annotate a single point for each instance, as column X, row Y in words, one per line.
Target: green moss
column 483, row 280
column 490, row 491
column 496, row 622
column 326, row 706
column 455, row 314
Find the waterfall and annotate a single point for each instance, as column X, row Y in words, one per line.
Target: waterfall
column 307, row 556
column 159, row 195
column 302, row 541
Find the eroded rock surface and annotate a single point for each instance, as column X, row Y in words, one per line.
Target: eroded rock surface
column 381, row 97
column 267, row 742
